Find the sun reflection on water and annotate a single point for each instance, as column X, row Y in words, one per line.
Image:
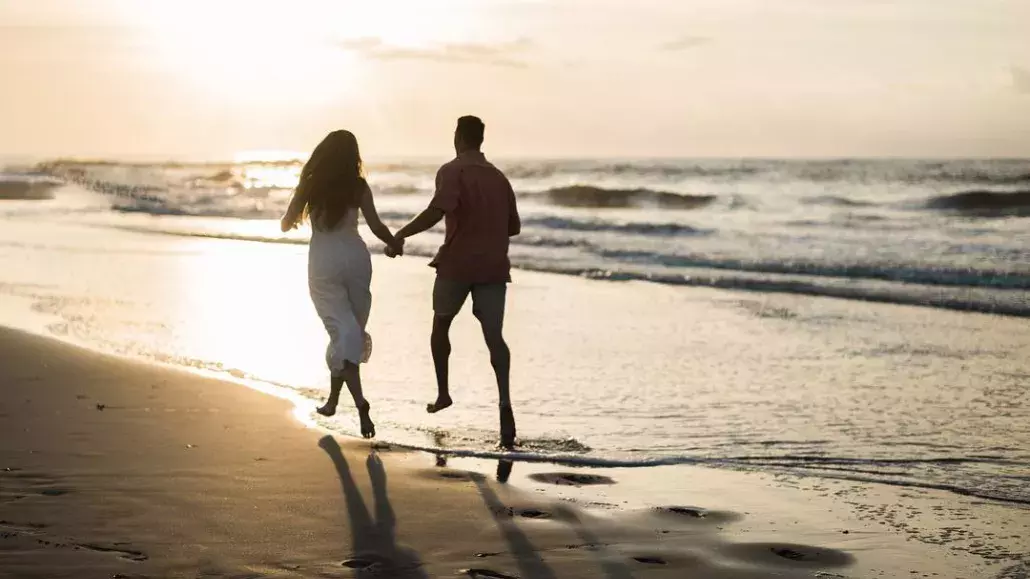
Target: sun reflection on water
column 268, row 169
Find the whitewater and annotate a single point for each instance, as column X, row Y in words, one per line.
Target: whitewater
column 944, row 234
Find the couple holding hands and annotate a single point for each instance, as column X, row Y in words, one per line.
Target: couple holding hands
column 477, row 204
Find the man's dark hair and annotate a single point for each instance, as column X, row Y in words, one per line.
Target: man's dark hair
column 471, row 130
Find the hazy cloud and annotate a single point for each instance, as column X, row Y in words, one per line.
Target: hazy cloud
column 1021, row 80
column 685, row 43
column 365, row 44
column 500, row 54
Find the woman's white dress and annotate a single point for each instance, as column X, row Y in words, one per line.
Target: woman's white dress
column 339, row 280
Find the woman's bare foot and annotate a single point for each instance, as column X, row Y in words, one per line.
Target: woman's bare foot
column 442, row 402
column 327, row 409
column 368, row 428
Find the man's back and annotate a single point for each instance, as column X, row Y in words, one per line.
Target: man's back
column 480, row 212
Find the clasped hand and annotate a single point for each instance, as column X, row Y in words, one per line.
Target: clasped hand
column 395, row 249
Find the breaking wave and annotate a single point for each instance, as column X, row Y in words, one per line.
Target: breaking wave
column 27, row 187
column 600, row 197
column 984, row 202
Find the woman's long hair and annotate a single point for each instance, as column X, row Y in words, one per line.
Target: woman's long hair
column 331, row 182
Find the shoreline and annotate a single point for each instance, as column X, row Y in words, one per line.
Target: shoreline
column 761, row 525
column 41, row 322
column 184, row 308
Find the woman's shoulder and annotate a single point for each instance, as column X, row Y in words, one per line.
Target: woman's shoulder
column 363, row 189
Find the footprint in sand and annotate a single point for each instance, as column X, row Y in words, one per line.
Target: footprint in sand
column 694, row 512
column 371, row 562
column 53, row 492
column 448, row 474
column 13, row 529
column 525, row 513
column 486, row 574
column 532, row 514
column 698, row 514
column 648, row 560
column 127, row 554
column 359, row 563
column 787, row 554
column 572, row 479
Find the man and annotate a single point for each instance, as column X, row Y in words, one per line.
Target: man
column 479, row 206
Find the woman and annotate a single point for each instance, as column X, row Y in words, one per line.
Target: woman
column 331, row 191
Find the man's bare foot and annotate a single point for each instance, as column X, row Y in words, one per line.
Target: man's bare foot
column 507, row 427
column 441, row 403
column 327, row 409
column 368, row 428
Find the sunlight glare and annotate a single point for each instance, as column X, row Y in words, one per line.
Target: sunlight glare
column 245, row 51
column 268, row 169
column 261, row 51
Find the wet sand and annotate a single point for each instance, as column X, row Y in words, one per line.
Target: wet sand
column 113, row 468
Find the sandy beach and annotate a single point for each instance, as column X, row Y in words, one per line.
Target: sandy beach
column 117, row 469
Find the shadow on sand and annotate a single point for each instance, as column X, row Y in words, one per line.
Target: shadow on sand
column 527, row 557
column 375, row 552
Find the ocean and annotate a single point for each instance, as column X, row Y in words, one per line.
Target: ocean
column 916, row 374
column 947, row 234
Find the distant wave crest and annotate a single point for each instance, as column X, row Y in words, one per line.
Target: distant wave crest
column 834, row 201
column 632, row 169
column 600, row 197
column 26, row 187
column 634, row 228
column 984, row 202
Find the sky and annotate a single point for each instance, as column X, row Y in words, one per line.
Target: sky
column 207, row 79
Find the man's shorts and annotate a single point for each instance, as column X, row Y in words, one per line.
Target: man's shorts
column 487, row 300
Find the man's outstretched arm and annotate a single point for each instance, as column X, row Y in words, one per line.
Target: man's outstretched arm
column 428, row 218
column 444, row 200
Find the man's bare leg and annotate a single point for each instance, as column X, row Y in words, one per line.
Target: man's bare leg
column 500, row 359
column 440, row 343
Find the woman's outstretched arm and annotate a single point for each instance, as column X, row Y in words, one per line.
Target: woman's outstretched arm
column 380, row 230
